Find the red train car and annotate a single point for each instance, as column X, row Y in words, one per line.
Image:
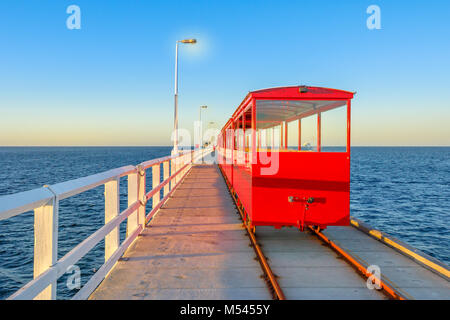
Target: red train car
column 280, row 157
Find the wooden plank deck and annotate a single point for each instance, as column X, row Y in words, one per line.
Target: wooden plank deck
column 195, row 248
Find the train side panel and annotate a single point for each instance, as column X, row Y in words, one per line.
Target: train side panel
column 242, row 181
column 321, row 177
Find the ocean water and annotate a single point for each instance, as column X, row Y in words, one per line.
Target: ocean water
column 404, row 191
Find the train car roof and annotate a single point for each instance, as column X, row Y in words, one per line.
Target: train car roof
column 293, row 93
column 302, row 92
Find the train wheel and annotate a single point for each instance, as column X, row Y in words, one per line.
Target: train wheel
column 318, row 228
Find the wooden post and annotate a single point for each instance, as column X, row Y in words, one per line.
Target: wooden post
column 177, row 160
column 141, row 196
column 156, row 180
column 165, row 177
column 178, row 168
column 172, row 171
column 133, row 196
column 46, row 244
column 181, row 166
column 112, row 211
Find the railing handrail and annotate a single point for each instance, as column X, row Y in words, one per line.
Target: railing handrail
column 72, row 257
column 45, row 202
column 14, row 204
column 18, row 203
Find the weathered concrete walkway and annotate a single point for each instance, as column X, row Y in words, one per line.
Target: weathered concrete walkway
column 195, row 248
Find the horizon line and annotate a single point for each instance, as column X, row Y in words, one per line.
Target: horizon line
column 149, row 146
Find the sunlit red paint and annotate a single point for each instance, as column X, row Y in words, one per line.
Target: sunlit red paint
column 279, row 185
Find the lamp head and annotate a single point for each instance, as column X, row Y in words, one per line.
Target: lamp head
column 192, row 41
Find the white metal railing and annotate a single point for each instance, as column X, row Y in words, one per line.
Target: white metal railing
column 45, row 202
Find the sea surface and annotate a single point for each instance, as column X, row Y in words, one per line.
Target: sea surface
column 404, row 191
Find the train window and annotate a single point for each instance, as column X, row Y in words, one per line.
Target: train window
column 263, row 138
column 281, row 118
column 229, row 138
column 334, row 130
column 238, row 134
column 238, row 137
column 248, row 140
column 292, row 135
column 269, row 139
column 276, row 137
column 309, row 133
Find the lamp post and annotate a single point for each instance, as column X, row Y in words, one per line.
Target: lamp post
column 201, row 126
column 175, row 124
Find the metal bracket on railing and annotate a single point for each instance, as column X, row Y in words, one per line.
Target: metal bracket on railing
column 143, row 201
column 140, row 171
column 50, row 189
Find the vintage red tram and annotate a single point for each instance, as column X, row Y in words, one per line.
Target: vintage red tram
column 279, row 180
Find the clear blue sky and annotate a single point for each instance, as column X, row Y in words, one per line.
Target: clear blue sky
column 111, row 83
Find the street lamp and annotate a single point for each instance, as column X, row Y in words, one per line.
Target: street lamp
column 201, row 131
column 175, row 124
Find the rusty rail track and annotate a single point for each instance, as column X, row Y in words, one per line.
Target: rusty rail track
column 389, row 290
column 271, row 278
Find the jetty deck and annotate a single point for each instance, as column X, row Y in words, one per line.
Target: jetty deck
column 307, row 269
column 409, row 278
column 196, row 247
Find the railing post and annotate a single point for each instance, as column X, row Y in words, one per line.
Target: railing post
column 173, row 170
column 178, row 166
column 165, row 177
column 183, row 159
column 181, row 166
column 111, row 211
column 141, row 193
column 133, row 194
column 172, row 164
column 156, row 180
column 46, row 244
column 187, row 160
